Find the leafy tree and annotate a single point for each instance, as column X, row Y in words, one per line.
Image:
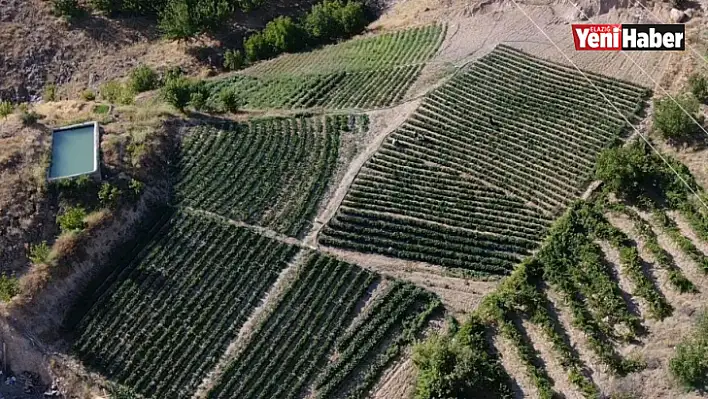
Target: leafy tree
column 233, row 60
column 699, row 87
column 459, row 366
column 674, row 118
column 199, row 96
column 229, row 99
column 177, row 92
column 6, row 109
column 283, row 35
column 177, row 21
column 257, row 47
column 624, row 170
column 72, row 219
column 143, row 78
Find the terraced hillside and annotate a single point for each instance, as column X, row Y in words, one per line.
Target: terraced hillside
column 365, row 73
column 474, row 177
column 272, row 172
column 289, row 355
column 164, row 319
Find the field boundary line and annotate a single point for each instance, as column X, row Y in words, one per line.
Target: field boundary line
column 610, row 103
column 264, row 231
column 287, row 277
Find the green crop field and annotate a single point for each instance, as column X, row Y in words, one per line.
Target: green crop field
column 164, row 320
column 289, row 353
column 363, row 73
column 270, row 172
column 473, row 179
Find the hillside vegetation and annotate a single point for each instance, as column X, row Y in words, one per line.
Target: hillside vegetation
column 514, row 135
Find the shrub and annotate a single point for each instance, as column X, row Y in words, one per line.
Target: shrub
column 283, row 35
column 29, row 118
column 101, row 109
column 109, row 195
column 9, row 287
column 173, row 72
column 137, row 187
column 6, row 109
column 331, row 20
column 177, row 92
column 233, row 60
column 257, row 48
column 177, row 21
column 88, row 95
column 117, row 93
column 229, row 99
column 106, row 6
column 39, row 253
column 674, row 118
column 50, row 92
column 698, row 85
column 690, row 363
column 67, row 8
column 72, row 219
column 143, row 78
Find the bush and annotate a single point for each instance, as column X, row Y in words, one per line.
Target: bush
column 50, row 92
column 257, row 48
column 173, row 72
column 143, row 78
column 283, row 35
column 67, row 8
column 690, row 363
column 6, row 109
column 29, row 118
column 698, row 85
column 109, row 195
column 117, row 93
column 233, row 60
column 229, row 99
column 177, row 92
column 177, row 21
column 9, row 287
column 72, row 219
column 39, row 253
column 332, row 20
column 137, row 187
column 675, row 119
column 88, row 95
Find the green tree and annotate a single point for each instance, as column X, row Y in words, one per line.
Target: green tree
column 624, row 170
column 72, row 219
column 177, row 92
column 143, row 78
column 229, row 99
column 699, row 87
column 283, row 35
column 177, row 21
column 674, row 118
column 233, row 60
column 257, row 47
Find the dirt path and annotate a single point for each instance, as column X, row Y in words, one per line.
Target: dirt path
column 382, row 121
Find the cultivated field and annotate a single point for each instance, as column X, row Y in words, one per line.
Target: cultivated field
column 270, row 172
column 514, row 135
column 363, row 73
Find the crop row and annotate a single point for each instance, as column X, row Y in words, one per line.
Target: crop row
column 313, row 339
column 271, row 172
column 405, row 47
column 172, row 312
column 507, row 124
